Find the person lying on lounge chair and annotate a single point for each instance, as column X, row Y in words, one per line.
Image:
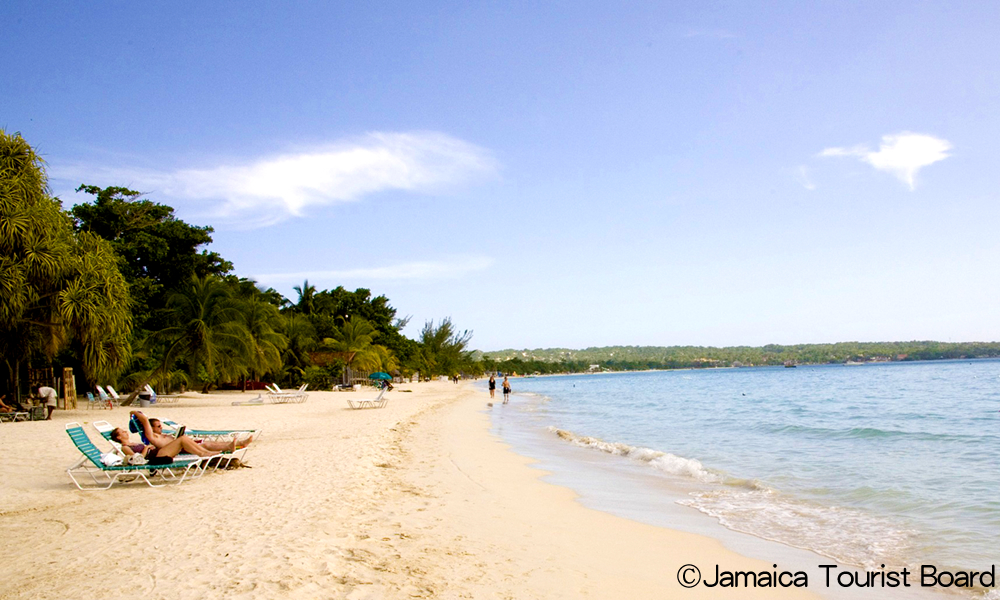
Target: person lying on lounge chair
column 15, row 407
column 153, row 430
column 154, row 454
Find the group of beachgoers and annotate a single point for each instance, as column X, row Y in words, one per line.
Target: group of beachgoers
column 7, row 408
column 505, row 386
column 44, row 393
column 162, row 447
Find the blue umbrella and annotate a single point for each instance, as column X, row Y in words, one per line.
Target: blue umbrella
column 380, row 375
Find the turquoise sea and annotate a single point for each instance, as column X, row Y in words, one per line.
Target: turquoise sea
column 893, row 463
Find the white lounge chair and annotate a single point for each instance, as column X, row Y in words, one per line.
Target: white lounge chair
column 258, row 401
column 161, row 398
column 114, row 395
column 14, row 416
column 279, row 396
column 378, row 402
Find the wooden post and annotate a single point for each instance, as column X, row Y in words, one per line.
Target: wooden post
column 69, row 387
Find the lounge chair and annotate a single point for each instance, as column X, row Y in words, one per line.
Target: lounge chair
column 15, row 416
column 106, row 397
column 93, row 402
column 91, row 464
column 378, row 402
column 258, row 401
column 161, row 398
column 279, row 396
column 105, row 429
column 114, row 395
column 302, row 396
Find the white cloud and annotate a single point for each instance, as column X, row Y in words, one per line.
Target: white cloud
column 901, row 154
column 271, row 189
column 804, row 179
column 422, row 270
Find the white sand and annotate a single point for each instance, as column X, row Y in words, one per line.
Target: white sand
column 416, row 500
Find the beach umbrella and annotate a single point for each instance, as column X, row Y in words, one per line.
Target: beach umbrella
column 380, row 375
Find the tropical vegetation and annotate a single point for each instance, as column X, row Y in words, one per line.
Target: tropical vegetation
column 124, row 292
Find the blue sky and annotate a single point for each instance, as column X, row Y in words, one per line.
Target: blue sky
column 573, row 174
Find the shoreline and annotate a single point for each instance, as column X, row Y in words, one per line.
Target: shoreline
column 552, row 545
column 615, row 485
column 419, row 499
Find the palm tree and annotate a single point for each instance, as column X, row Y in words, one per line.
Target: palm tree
column 261, row 318
column 301, row 340
column 353, row 339
column 209, row 334
column 386, row 359
column 307, row 297
column 56, row 288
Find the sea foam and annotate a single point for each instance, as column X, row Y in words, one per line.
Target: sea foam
column 748, row 506
column 663, row 461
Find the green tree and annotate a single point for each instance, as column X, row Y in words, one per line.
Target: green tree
column 301, row 340
column 56, row 287
column 354, row 340
column 443, row 348
column 333, row 305
column 208, row 335
column 307, row 297
column 265, row 344
column 159, row 252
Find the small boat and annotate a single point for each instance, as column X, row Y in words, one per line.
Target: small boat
column 790, row 365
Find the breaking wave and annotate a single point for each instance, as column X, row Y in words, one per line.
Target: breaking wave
column 663, row 461
column 748, row 506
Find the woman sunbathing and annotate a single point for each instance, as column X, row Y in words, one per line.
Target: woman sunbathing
column 153, row 430
column 154, row 454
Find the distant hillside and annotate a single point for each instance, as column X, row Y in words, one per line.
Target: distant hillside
column 548, row 360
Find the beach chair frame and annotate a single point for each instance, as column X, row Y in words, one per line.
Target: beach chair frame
column 90, row 464
column 15, row 416
column 378, row 402
column 276, row 395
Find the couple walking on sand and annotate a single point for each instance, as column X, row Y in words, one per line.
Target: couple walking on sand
column 506, row 388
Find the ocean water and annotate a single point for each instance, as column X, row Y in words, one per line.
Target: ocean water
column 893, row 463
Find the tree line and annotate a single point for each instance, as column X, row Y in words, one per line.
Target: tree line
column 637, row 358
column 124, row 292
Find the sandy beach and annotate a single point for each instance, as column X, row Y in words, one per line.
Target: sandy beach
column 416, row 500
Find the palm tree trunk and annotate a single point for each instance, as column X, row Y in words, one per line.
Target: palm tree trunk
column 17, row 380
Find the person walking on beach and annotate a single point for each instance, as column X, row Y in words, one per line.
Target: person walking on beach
column 493, row 385
column 506, row 390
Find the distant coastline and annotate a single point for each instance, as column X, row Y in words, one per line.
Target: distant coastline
column 644, row 358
